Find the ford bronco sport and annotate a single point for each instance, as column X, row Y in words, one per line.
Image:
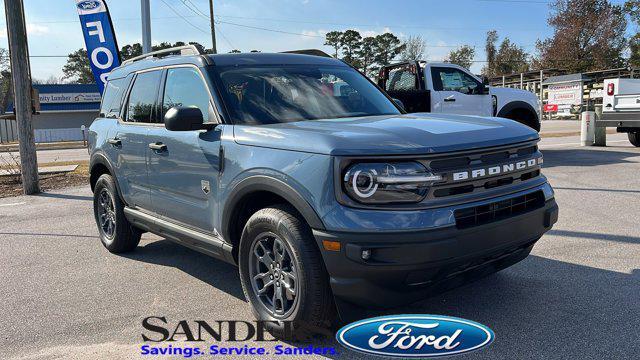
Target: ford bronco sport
column 320, row 195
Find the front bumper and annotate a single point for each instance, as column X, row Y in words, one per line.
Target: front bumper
column 407, row 266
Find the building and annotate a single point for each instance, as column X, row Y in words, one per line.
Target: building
column 64, row 109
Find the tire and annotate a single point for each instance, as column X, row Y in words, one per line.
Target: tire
column 311, row 310
column 119, row 235
column 523, row 116
column 634, row 138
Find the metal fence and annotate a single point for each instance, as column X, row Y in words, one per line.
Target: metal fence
column 534, row 81
column 8, row 131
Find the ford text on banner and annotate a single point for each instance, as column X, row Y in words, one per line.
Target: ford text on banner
column 102, row 47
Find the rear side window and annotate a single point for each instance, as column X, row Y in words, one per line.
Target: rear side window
column 112, row 97
column 142, row 97
column 401, row 79
column 185, row 87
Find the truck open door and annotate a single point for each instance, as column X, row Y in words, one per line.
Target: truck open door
column 405, row 82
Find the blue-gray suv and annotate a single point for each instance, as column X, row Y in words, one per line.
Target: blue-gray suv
column 312, row 180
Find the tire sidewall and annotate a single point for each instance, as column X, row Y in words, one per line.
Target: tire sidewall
column 105, row 182
column 249, row 236
column 126, row 237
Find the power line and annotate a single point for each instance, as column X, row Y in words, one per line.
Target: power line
column 183, row 18
column 371, row 25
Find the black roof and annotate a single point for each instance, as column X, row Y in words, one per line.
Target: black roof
column 238, row 59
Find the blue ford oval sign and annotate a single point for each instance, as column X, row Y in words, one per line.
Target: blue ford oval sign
column 415, row 336
column 88, row 5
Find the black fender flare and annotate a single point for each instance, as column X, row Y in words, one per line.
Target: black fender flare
column 257, row 183
column 99, row 158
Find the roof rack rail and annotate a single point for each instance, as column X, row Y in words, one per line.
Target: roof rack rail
column 183, row 50
column 314, row 52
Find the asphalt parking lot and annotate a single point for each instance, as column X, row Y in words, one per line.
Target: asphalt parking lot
column 577, row 296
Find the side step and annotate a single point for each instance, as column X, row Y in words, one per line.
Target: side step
column 209, row 244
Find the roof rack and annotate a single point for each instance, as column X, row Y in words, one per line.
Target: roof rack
column 314, row 52
column 183, row 50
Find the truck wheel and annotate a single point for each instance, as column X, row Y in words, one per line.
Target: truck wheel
column 634, row 138
column 116, row 233
column 283, row 275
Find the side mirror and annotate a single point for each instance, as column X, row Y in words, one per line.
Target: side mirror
column 399, row 104
column 485, row 86
column 183, row 119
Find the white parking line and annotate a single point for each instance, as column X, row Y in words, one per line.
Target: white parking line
column 13, row 204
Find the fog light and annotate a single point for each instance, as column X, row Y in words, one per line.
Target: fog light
column 366, row 254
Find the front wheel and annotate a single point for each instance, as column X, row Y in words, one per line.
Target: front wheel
column 634, row 138
column 116, row 233
column 283, row 275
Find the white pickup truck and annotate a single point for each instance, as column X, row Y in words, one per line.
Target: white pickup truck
column 449, row 88
column 621, row 107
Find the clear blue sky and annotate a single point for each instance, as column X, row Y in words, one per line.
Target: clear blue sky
column 54, row 28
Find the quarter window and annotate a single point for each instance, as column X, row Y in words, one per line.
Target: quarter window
column 112, row 97
column 143, row 96
column 185, row 87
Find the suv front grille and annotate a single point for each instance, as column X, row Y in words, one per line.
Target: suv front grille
column 448, row 189
column 500, row 210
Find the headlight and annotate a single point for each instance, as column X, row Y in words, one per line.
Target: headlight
column 384, row 183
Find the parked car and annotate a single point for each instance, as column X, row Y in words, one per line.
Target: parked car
column 322, row 196
column 446, row 88
column 621, row 107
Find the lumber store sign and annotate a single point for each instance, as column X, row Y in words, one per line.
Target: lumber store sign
column 65, row 98
column 565, row 94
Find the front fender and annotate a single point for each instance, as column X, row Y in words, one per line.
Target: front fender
column 257, row 183
column 509, row 97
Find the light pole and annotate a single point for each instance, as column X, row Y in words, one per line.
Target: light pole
column 213, row 28
column 146, row 26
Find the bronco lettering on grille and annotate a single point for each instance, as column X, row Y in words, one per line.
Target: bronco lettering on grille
column 496, row 170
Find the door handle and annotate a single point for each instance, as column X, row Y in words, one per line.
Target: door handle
column 450, row 99
column 115, row 141
column 158, row 146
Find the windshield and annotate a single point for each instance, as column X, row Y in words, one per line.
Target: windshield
column 287, row 93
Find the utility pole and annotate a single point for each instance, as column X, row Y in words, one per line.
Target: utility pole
column 146, row 25
column 20, row 73
column 213, row 28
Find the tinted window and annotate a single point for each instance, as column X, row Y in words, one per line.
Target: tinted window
column 112, row 97
column 185, row 87
column 143, row 97
column 401, row 79
column 276, row 94
column 449, row 79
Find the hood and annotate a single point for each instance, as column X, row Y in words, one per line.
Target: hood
column 407, row 134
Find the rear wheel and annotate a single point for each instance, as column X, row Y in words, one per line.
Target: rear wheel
column 116, row 233
column 634, row 138
column 283, row 275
